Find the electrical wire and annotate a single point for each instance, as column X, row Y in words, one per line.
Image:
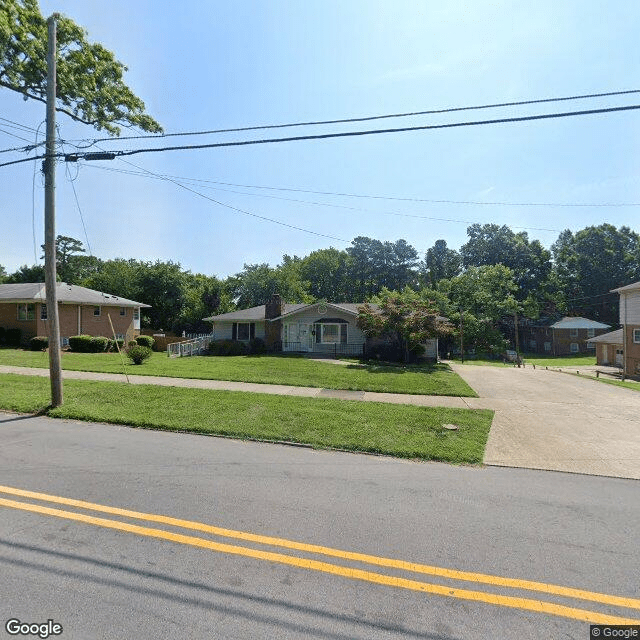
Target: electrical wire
column 13, row 135
column 237, row 209
column 370, row 118
column 345, row 134
column 374, row 197
column 312, row 203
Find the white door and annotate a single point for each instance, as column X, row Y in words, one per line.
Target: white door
column 605, row 354
column 297, row 337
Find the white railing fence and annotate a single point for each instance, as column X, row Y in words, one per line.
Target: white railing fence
column 192, row 347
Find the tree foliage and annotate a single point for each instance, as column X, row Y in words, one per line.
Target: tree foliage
column 404, row 317
column 440, row 263
column 90, row 86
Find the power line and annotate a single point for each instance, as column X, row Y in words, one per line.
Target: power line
column 324, row 136
column 17, row 125
column 13, row 135
column 347, row 134
column 370, row 118
column 237, row 209
column 378, row 197
column 312, row 203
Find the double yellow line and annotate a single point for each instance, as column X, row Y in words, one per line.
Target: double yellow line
column 528, row 604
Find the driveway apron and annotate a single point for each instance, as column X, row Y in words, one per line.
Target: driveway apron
column 546, row 419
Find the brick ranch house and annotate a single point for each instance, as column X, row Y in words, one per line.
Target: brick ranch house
column 80, row 310
column 564, row 337
column 321, row 327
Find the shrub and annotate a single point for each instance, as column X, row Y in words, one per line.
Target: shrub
column 384, row 351
column 99, row 344
column 257, row 346
column 12, row 337
column 80, row 344
column 145, row 341
column 114, row 345
column 227, row 348
column 132, row 343
column 2, row 335
column 39, row 343
column 138, row 353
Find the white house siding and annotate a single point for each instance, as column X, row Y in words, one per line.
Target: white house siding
column 311, row 316
column 431, row 348
column 224, row 330
column 630, row 307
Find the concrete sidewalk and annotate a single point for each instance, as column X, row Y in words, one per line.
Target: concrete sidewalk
column 252, row 387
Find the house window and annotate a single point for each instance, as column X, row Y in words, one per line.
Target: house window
column 636, row 336
column 243, row 331
column 136, row 313
column 532, row 344
column 573, row 333
column 547, row 346
column 26, row 311
column 64, row 342
column 591, row 333
column 43, row 311
column 574, row 347
column 331, row 332
column 96, row 311
column 123, row 311
column 591, row 345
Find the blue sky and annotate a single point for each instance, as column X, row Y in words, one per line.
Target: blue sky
column 211, row 65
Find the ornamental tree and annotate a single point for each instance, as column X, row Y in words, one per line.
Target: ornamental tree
column 403, row 317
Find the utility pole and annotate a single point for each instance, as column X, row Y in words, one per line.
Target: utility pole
column 49, row 168
column 461, row 339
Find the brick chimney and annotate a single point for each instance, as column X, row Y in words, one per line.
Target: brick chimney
column 273, row 330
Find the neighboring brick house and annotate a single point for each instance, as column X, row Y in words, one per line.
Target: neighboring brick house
column 630, row 321
column 80, row 311
column 564, row 337
column 321, row 327
column 609, row 348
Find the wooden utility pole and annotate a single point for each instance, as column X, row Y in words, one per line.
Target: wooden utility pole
column 49, row 168
column 461, row 338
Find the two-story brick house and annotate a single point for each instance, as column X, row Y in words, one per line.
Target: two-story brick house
column 80, row 310
column 630, row 321
column 564, row 337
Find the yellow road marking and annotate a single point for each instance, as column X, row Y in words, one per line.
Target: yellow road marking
column 499, row 581
column 538, row 606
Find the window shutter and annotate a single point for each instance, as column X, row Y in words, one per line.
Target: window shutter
column 234, row 331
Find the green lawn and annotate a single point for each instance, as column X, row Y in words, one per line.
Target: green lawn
column 540, row 360
column 396, row 430
column 437, row 380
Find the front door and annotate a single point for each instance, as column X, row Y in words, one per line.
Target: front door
column 605, row 354
column 297, row 337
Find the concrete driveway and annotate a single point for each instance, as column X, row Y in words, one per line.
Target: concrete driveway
column 552, row 420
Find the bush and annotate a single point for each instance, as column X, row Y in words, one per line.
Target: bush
column 227, row 348
column 138, row 353
column 384, row 351
column 114, row 345
column 12, row 337
column 80, row 344
column 145, row 341
column 99, row 344
column 257, row 346
column 39, row 343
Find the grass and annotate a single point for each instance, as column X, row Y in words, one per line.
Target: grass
column 540, row 360
column 427, row 379
column 396, row 430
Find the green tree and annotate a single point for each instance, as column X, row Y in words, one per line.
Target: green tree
column 440, row 263
column 90, row 87
column 491, row 244
column 591, row 262
column 483, row 295
column 71, row 266
column 404, row 317
column 3, row 274
column 33, row 273
column 256, row 283
column 204, row 296
column 327, row 272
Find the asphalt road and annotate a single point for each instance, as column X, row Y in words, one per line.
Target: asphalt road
column 102, row 574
